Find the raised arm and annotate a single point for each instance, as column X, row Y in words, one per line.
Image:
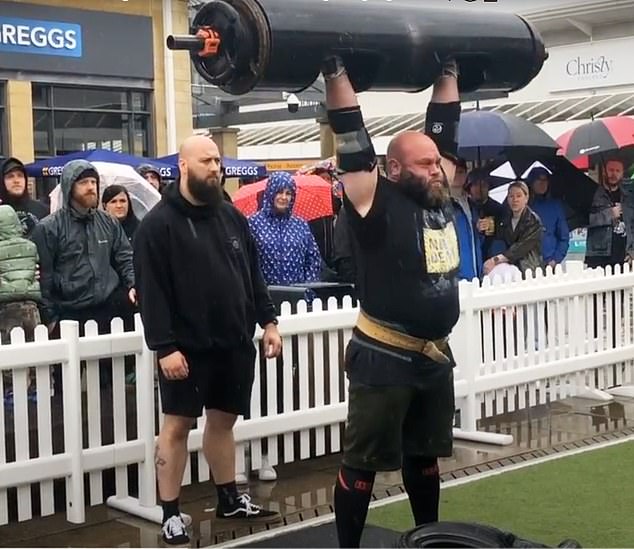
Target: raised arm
column 443, row 116
column 356, row 159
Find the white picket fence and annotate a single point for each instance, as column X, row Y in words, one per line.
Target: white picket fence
column 517, row 344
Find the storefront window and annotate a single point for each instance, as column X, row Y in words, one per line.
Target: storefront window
column 3, row 128
column 70, row 119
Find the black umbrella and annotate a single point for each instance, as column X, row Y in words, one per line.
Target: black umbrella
column 567, row 183
column 599, row 136
column 484, row 135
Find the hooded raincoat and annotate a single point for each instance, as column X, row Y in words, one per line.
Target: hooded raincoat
column 84, row 256
column 287, row 249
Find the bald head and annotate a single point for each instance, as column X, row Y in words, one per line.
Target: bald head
column 407, row 142
column 414, row 163
column 415, row 153
column 195, row 145
column 199, row 164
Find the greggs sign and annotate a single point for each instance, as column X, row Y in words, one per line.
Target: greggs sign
column 40, row 37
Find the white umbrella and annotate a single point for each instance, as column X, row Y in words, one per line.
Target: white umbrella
column 143, row 195
column 506, row 171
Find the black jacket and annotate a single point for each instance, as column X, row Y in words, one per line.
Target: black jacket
column 198, row 279
column 524, row 244
column 29, row 211
column 84, row 258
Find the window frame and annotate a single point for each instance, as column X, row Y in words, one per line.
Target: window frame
column 132, row 113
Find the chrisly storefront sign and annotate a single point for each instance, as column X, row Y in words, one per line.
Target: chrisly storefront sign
column 48, row 39
column 593, row 65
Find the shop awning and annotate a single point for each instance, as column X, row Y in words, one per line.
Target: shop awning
column 563, row 109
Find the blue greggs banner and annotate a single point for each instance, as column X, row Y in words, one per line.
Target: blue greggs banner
column 40, row 37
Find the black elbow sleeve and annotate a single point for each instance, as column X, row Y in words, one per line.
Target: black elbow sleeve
column 355, row 152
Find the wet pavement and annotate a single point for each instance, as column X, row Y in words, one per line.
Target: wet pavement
column 303, row 490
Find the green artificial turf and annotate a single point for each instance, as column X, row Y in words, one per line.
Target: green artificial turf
column 588, row 497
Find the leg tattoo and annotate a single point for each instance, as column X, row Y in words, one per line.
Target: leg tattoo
column 158, row 460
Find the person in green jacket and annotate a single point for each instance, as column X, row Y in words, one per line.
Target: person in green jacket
column 19, row 287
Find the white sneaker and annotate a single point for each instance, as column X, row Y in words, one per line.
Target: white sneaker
column 267, row 472
column 174, row 531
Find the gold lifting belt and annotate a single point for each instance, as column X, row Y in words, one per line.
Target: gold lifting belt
column 427, row 347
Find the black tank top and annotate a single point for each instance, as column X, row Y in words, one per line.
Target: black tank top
column 407, row 263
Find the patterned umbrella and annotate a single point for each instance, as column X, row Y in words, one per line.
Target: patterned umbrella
column 599, row 136
column 581, row 162
column 314, row 197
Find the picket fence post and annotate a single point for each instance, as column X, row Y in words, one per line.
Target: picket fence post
column 145, row 506
column 71, row 396
column 465, row 349
column 145, row 418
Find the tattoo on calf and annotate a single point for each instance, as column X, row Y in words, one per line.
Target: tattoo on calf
column 158, row 460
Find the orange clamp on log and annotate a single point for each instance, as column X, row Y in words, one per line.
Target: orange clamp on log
column 212, row 41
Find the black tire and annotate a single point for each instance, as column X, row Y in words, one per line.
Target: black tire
column 460, row 534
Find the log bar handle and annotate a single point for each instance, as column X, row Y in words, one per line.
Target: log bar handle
column 205, row 42
column 185, row 42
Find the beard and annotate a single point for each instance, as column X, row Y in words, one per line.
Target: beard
column 204, row 191
column 425, row 193
column 86, row 201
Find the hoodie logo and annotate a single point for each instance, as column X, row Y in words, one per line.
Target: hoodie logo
column 234, row 244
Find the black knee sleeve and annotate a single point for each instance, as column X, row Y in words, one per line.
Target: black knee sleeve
column 420, row 464
column 355, row 479
column 353, row 492
column 421, row 478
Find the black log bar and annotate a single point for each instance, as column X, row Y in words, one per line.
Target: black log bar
column 387, row 46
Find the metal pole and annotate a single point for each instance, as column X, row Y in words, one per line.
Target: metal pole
column 170, row 93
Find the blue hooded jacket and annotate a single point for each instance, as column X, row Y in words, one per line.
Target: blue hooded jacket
column 556, row 236
column 287, row 249
column 470, row 241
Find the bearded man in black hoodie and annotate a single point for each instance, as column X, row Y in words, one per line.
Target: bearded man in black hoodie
column 14, row 192
column 201, row 294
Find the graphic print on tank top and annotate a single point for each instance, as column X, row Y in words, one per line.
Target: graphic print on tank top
column 441, row 249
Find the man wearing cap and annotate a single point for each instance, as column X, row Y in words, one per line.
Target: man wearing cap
column 14, row 193
column 85, row 256
column 489, row 210
column 152, row 176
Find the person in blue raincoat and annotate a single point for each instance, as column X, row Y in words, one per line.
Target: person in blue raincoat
column 470, row 239
column 556, row 236
column 286, row 247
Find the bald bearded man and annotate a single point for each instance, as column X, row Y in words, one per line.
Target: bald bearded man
column 201, row 294
column 400, row 368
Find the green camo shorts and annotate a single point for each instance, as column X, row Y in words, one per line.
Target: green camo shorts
column 387, row 422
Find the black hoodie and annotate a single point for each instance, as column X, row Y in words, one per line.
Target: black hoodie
column 198, row 279
column 29, row 211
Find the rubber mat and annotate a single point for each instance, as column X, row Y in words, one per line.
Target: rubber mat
column 325, row 535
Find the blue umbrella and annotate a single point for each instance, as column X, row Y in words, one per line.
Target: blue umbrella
column 232, row 167
column 52, row 167
column 484, row 135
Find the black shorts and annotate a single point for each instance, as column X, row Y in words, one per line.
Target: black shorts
column 218, row 380
column 397, row 418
